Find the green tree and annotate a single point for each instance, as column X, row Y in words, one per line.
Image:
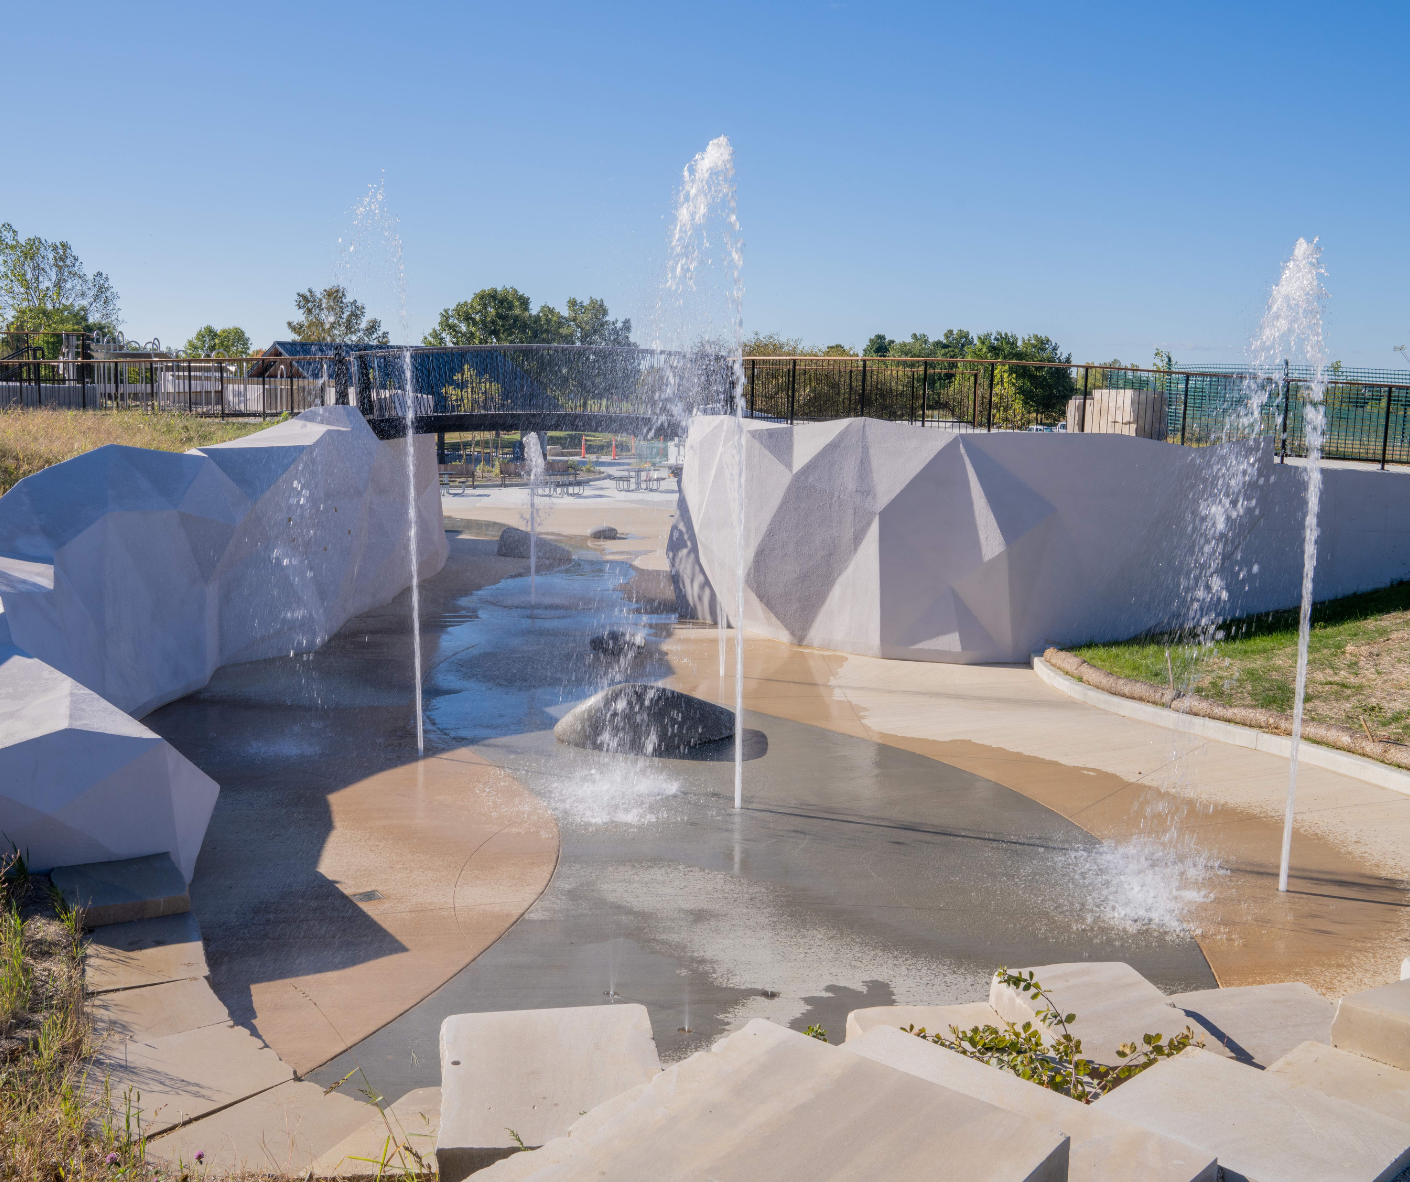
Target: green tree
column 492, row 316
column 331, row 315
column 43, row 286
column 592, row 326
column 878, row 346
column 771, row 344
column 1037, row 389
column 956, row 342
column 227, row 342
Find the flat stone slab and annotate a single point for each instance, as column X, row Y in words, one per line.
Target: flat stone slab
column 388, row 1143
column 935, row 1019
column 514, row 543
column 154, row 1011
column 145, row 952
column 1114, row 1004
column 1104, row 1147
column 770, row 1103
column 639, row 719
column 121, row 891
column 282, row 1130
column 1376, row 1024
column 1259, row 1024
column 1259, row 1126
column 535, row 1072
column 181, row 1077
column 1350, row 1077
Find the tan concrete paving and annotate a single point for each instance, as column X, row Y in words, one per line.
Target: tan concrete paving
column 401, row 1139
column 144, row 952
column 1344, row 925
column 157, row 1010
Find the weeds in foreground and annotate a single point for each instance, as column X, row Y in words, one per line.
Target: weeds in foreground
column 398, row 1157
column 1059, row 1065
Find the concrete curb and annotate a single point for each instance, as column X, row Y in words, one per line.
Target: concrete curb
column 1342, row 762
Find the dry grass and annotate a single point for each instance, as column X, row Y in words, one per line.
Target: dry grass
column 32, row 439
column 1358, row 663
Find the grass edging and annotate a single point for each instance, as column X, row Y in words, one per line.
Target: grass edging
column 1364, row 763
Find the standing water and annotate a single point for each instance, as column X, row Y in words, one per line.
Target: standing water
column 1292, row 325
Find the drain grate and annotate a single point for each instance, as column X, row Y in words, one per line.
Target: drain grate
column 365, row 896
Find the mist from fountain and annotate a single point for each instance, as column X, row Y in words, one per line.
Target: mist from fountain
column 534, row 462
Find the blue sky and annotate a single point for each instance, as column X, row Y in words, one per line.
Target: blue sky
column 1119, row 177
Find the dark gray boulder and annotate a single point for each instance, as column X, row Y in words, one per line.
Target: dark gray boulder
column 617, row 643
column 514, row 543
column 604, row 532
column 640, row 719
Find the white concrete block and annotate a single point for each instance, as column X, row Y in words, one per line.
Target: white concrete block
column 80, row 781
column 1258, row 1023
column 1258, row 1125
column 887, row 540
column 124, row 889
column 535, row 1072
column 1114, row 1004
column 769, row 1103
column 1350, row 1077
column 1104, row 1147
column 1376, row 1024
column 935, row 1019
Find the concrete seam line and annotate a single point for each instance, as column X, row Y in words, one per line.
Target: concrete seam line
column 1343, row 762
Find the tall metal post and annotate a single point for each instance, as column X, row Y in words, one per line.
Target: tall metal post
column 1185, row 411
column 792, row 389
column 1086, row 379
column 1385, row 431
column 912, row 417
column 924, row 392
column 862, row 403
column 990, row 423
column 82, row 386
column 1287, row 403
column 263, row 380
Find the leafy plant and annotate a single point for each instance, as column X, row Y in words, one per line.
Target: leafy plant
column 1059, row 1065
column 816, row 1032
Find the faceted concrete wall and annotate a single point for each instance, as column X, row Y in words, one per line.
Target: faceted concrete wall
column 127, row 577
column 890, row 540
column 138, row 573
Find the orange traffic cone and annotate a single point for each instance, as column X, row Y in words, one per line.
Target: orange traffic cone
column 584, row 447
column 614, row 447
column 633, row 445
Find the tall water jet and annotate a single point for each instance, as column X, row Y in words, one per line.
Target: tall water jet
column 1292, row 325
column 413, row 542
column 533, row 460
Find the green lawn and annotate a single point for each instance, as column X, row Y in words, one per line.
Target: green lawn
column 1358, row 664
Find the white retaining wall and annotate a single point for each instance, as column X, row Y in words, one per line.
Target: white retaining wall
column 890, row 540
column 135, row 574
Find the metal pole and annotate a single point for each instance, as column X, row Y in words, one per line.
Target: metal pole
column 188, row 385
column 924, row 392
column 792, row 389
column 263, row 379
column 912, row 417
column 1287, row 403
column 990, row 424
column 222, row 389
column 862, row 401
column 1385, row 431
column 83, row 386
column 1086, row 378
column 1185, row 411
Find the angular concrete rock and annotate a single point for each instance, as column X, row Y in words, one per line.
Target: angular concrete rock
column 1114, row 1004
column 144, row 952
column 1258, row 1024
column 401, row 1140
column 514, row 543
column 181, row 1077
column 935, row 1019
column 154, row 1011
column 1349, row 1077
column 1104, row 1147
column 280, row 1131
column 82, row 782
column 639, row 719
column 1258, row 1125
column 123, row 890
column 1376, row 1024
column 533, row 1071
column 616, row 642
column 604, row 533
column 769, row 1103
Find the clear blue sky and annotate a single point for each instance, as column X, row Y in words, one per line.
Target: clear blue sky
column 1115, row 176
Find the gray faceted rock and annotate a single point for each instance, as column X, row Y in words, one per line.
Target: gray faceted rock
column 604, row 533
column 640, row 719
column 617, row 643
column 514, row 543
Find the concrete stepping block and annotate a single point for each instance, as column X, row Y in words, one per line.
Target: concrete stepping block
column 1376, row 1024
column 155, row 1011
column 1258, row 1024
column 374, row 1149
column 533, row 1071
column 1104, row 1147
column 1259, row 1126
column 769, row 1103
column 1350, row 1077
column 145, row 952
column 181, row 1077
column 280, row 1131
column 125, row 890
column 935, row 1019
column 1114, row 1004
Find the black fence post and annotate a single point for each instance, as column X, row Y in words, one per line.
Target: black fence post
column 1086, row 379
column 924, row 392
column 1287, row 404
column 862, row 402
column 989, row 423
column 1385, row 431
column 792, row 390
column 263, row 379
column 82, row 387
column 1185, row 411
column 222, row 389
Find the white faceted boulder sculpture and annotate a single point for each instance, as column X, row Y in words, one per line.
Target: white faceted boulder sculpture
column 80, row 781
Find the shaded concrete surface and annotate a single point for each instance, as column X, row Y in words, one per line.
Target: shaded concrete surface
column 1193, row 825
column 858, row 874
column 341, row 881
